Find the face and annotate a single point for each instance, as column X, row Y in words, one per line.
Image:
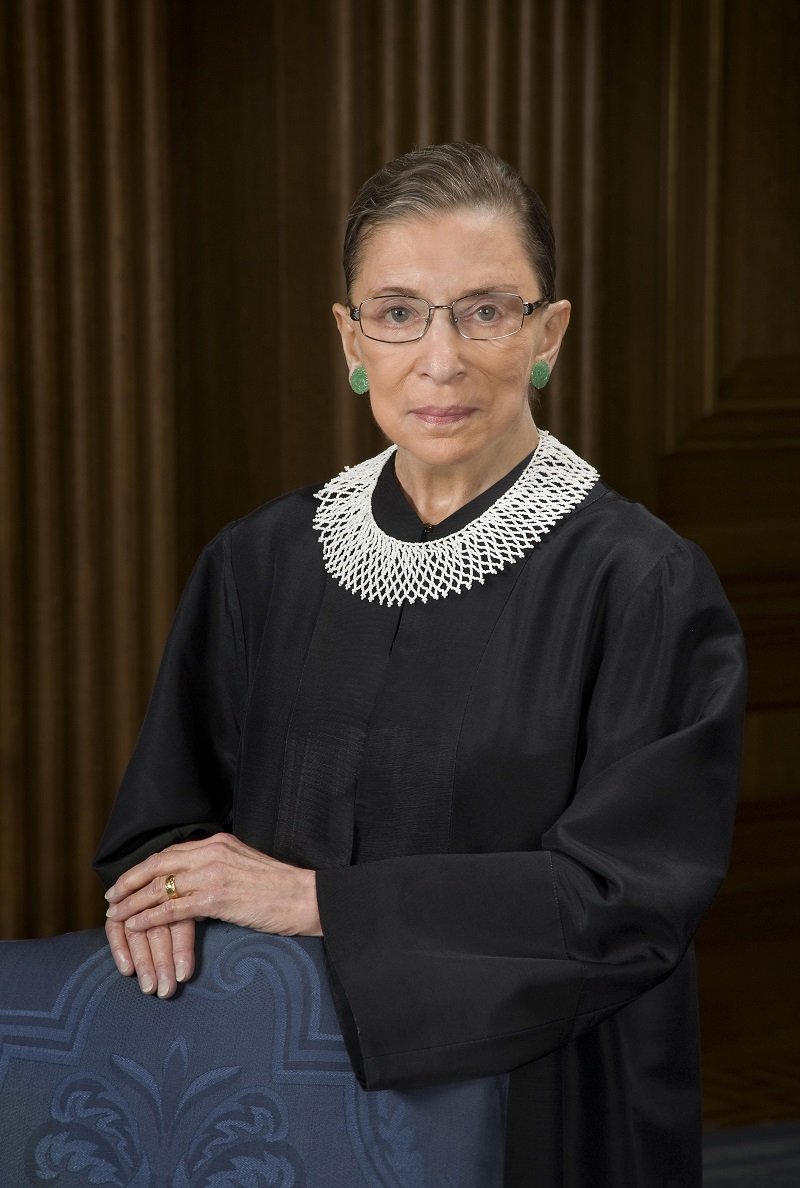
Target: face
column 445, row 400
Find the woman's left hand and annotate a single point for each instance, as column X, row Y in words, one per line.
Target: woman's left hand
column 219, row 877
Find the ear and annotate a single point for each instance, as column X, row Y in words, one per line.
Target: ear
column 553, row 328
column 348, row 332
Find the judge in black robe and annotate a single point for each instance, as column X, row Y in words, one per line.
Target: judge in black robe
column 516, row 779
column 518, row 799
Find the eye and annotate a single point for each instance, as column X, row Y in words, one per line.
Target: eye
column 484, row 310
column 489, row 315
column 394, row 312
column 486, row 314
column 398, row 315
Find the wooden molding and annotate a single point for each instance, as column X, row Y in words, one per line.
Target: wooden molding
column 731, row 296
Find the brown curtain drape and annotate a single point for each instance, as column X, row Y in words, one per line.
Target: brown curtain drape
column 88, row 489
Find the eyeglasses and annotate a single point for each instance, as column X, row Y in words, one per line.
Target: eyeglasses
column 398, row 318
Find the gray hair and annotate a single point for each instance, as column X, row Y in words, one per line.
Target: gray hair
column 447, row 177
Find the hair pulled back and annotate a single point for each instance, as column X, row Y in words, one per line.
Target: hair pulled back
column 446, row 177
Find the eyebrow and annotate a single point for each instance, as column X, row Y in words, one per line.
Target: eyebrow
column 404, row 291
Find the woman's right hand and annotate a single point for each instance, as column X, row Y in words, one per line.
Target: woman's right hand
column 160, row 957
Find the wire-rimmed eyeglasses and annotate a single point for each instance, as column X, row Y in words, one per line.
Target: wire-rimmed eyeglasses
column 395, row 317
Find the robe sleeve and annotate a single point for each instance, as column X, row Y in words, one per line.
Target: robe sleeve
column 180, row 780
column 463, row 965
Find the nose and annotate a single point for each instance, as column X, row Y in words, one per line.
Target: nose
column 440, row 347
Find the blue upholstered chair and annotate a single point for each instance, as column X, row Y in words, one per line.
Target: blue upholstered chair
column 240, row 1080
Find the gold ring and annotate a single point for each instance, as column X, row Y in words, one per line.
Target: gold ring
column 170, row 888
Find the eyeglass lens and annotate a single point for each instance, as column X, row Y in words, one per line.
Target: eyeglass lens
column 395, row 318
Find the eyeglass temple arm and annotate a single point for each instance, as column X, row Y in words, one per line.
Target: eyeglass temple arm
column 529, row 306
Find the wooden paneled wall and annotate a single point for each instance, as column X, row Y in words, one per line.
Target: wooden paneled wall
column 701, row 357
column 729, row 430
column 174, row 176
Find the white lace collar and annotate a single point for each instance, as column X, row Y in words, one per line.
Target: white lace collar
column 367, row 561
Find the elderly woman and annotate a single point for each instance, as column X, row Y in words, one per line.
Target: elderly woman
column 464, row 712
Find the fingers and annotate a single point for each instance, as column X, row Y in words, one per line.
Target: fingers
column 160, row 957
column 183, row 949
column 149, row 950
column 152, row 908
column 152, row 894
column 154, row 957
column 140, row 898
column 156, row 868
column 152, row 871
column 118, row 943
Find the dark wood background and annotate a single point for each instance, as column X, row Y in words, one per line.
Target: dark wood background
column 174, row 176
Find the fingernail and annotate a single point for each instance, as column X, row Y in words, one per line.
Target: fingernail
column 181, row 971
column 163, row 987
column 112, row 913
column 123, row 964
column 109, row 893
column 146, row 984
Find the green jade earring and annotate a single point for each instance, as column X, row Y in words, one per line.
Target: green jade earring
column 540, row 373
column 359, row 381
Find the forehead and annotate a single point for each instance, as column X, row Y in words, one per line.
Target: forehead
column 445, row 255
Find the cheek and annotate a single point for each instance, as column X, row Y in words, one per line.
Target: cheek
column 387, row 375
column 384, row 396
column 510, row 370
column 508, row 356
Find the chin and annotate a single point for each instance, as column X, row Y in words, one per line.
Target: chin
column 441, row 451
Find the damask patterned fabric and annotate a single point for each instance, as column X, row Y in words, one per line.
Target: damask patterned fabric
column 241, row 1080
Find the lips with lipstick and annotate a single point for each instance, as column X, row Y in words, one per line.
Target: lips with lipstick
column 432, row 414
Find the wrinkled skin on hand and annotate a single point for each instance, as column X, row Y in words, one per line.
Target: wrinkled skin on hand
column 152, row 934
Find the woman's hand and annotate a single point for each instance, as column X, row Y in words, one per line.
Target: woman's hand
column 152, row 933
column 160, row 957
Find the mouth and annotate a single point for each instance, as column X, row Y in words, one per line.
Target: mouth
column 448, row 415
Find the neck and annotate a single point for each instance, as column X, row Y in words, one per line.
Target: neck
column 437, row 491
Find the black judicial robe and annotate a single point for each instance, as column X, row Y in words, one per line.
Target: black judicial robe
column 518, row 798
